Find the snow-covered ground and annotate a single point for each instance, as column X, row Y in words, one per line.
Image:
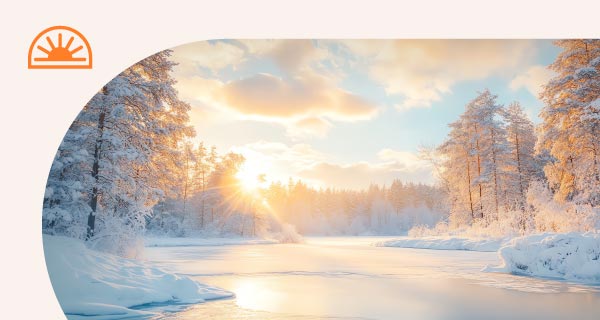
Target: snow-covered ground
column 570, row 256
column 197, row 242
column 444, row 243
column 91, row 283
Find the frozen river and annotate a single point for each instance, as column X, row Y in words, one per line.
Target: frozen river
column 347, row 278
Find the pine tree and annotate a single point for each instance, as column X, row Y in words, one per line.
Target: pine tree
column 458, row 170
column 523, row 166
column 488, row 135
column 396, row 196
column 476, row 161
column 125, row 141
column 571, row 122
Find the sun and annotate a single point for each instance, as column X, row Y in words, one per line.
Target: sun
column 251, row 176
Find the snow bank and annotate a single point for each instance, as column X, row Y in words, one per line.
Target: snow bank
column 570, row 256
column 200, row 242
column 444, row 243
column 88, row 282
column 287, row 234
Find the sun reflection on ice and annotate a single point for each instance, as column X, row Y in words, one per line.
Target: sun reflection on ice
column 255, row 294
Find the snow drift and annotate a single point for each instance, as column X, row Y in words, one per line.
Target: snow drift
column 88, row 282
column 444, row 243
column 570, row 256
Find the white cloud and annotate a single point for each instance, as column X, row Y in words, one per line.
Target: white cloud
column 394, row 164
column 289, row 55
column 361, row 174
column 300, row 153
column 307, row 95
column 201, row 94
column 211, row 55
column 407, row 159
column 304, row 94
column 532, row 79
column 197, row 88
column 309, row 127
column 305, row 100
column 423, row 70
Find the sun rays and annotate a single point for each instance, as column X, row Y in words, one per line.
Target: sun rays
column 251, row 176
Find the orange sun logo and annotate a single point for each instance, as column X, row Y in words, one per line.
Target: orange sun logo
column 60, row 47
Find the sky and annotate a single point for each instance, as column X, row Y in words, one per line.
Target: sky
column 348, row 113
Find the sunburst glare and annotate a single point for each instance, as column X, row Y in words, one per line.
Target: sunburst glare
column 251, row 176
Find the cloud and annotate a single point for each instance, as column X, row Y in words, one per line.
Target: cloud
column 300, row 95
column 309, row 127
column 406, row 159
column 351, row 176
column 301, row 105
column 289, row 55
column 423, row 70
column 532, row 79
column 300, row 153
column 393, row 164
column 307, row 95
column 362, row 174
column 419, row 71
column 197, row 89
column 213, row 55
column 201, row 94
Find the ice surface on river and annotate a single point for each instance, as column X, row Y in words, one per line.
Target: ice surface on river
column 349, row 278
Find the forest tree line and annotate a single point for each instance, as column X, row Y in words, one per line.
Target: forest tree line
column 378, row 209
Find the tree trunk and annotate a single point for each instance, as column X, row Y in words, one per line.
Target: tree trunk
column 520, row 171
column 522, row 221
column 469, row 186
column 573, row 190
column 595, row 154
column 95, row 169
column 495, row 174
column 203, row 201
column 479, row 173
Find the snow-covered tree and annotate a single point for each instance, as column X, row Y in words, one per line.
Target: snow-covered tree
column 488, row 138
column 523, row 166
column 487, row 160
column 458, row 168
column 571, row 122
column 119, row 154
column 204, row 166
column 395, row 195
